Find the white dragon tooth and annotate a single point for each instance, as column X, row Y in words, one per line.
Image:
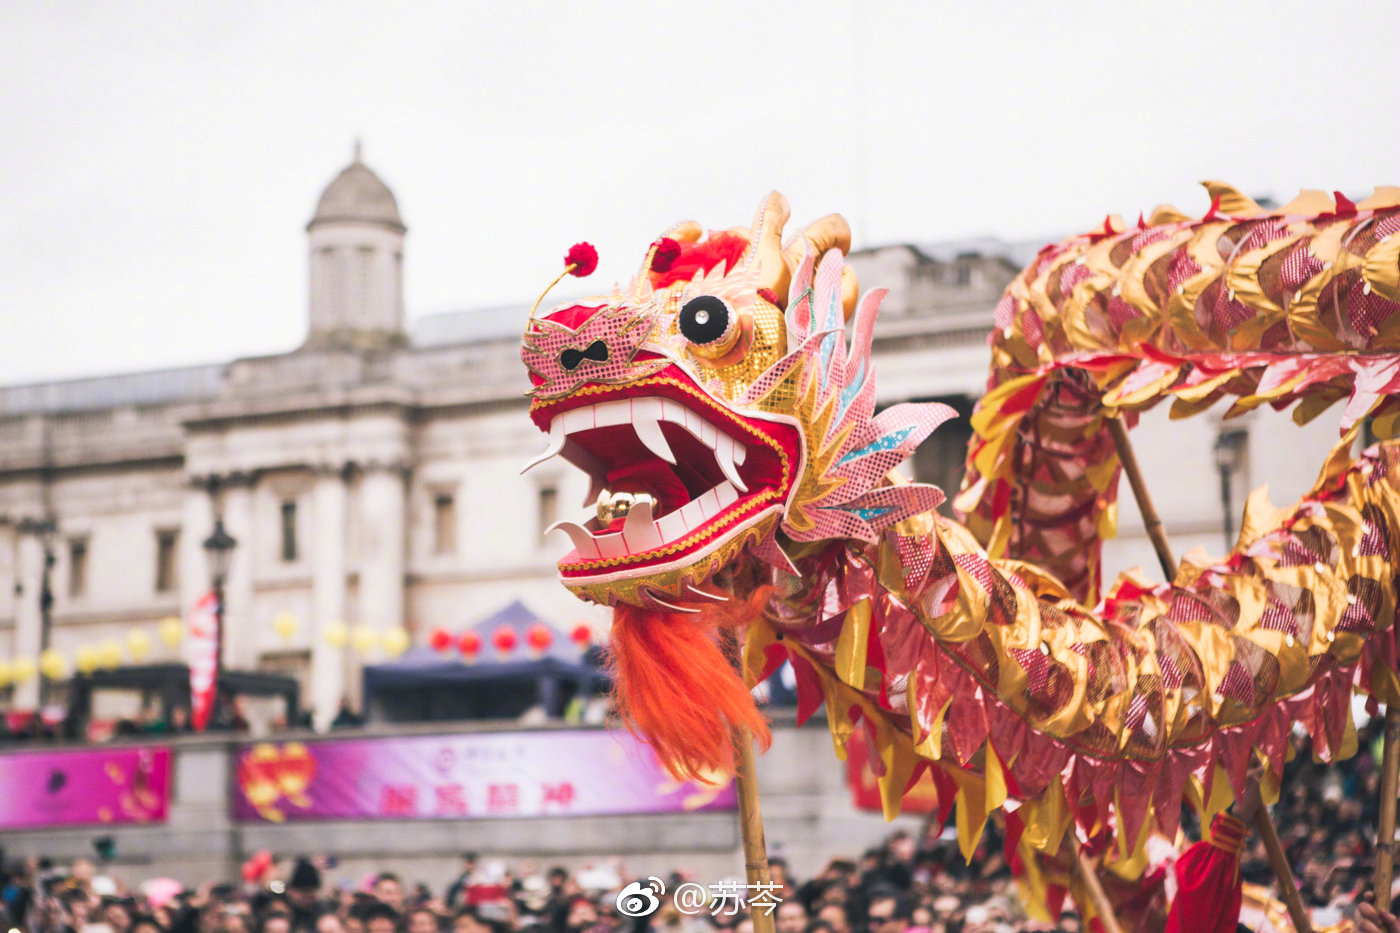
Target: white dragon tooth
column 639, row 531
column 610, row 413
column 611, row 545
column 693, row 514
column 671, row 525
column 726, row 494
column 719, row 597
column 661, row 602
column 724, row 456
column 741, row 453
column 584, row 542
column 557, row 436
column 579, row 419
column 647, row 424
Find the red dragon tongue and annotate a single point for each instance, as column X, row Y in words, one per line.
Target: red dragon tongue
column 676, row 689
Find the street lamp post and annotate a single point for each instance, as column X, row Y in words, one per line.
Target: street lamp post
column 1229, row 460
column 45, row 529
column 219, row 546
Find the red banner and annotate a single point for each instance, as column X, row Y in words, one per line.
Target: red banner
column 203, row 654
column 865, row 792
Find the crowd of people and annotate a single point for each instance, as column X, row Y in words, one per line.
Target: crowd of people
column 913, row 883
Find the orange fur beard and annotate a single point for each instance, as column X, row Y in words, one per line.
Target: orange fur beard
column 675, row 688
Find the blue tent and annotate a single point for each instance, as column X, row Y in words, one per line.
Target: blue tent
column 423, row 685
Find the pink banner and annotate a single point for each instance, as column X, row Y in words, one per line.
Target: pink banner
column 110, row 786
column 486, row 775
column 203, row 655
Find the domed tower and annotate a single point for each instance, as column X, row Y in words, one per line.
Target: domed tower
column 356, row 241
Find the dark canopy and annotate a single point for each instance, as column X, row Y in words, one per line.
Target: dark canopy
column 425, row 685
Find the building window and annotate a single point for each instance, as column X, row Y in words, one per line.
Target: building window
column 444, row 524
column 166, row 579
column 549, row 507
column 289, row 531
column 77, row 566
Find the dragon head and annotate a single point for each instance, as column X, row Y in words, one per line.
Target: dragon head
column 716, row 406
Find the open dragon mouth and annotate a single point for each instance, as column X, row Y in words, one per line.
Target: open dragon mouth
column 673, row 474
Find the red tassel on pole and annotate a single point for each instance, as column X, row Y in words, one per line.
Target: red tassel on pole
column 1208, row 881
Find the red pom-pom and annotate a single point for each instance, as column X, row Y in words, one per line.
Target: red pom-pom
column 581, row 635
column 504, row 640
column 539, row 637
column 583, row 257
column 440, row 639
column 469, row 644
column 667, row 252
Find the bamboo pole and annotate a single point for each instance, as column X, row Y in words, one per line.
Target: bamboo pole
column 1089, row 878
column 1150, row 519
column 751, row 825
column 1263, row 823
column 1385, row 834
column 750, row 814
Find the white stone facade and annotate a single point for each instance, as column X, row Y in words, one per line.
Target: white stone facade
column 371, row 477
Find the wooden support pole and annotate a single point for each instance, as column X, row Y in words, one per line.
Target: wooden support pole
column 1264, row 826
column 1385, row 833
column 750, row 815
column 1089, row 878
column 1150, row 519
column 1263, row 823
column 751, row 826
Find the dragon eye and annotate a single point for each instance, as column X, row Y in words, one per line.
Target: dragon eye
column 704, row 320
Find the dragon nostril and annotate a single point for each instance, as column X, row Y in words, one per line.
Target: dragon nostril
column 571, row 357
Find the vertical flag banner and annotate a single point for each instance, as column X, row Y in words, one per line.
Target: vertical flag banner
column 204, row 649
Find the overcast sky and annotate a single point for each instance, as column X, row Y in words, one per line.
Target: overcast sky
column 159, row 162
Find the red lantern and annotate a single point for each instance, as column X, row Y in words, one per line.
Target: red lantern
column 440, row 639
column 582, row 635
column 469, row 644
column 504, row 639
column 539, row 637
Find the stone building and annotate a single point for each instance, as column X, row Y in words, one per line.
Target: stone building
column 370, row 476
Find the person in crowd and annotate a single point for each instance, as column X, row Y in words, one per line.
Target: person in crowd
column 388, row 890
column 888, row 913
column 303, row 892
column 790, row 916
column 381, row 918
column 457, row 890
column 116, row 913
column 423, row 920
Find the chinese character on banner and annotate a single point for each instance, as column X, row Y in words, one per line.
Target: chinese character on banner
column 561, row 794
column 203, row 654
column 399, row 800
column 503, row 798
column 451, row 800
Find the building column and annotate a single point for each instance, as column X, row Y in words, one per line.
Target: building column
column 196, row 524
column 383, row 503
column 28, row 618
column 328, row 578
column 240, row 627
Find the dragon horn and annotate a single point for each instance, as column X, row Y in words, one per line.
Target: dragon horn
column 830, row 232
column 767, row 245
